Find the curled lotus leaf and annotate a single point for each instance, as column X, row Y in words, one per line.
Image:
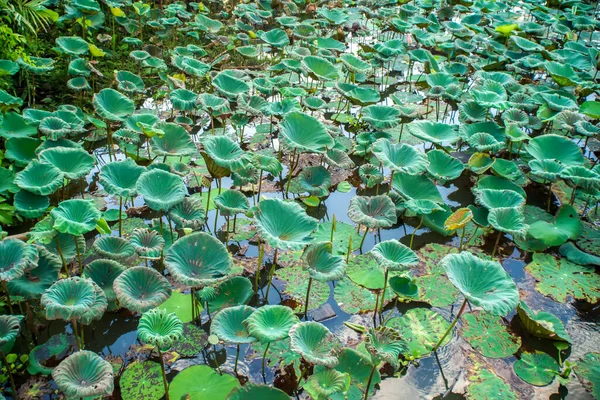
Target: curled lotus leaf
column 74, row 298
column 103, row 273
column 43, row 358
column 113, row 247
column 161, row 190
column 229, row 85
column 542, row 324
column 321, row 264
column 443, row 166
column 400, row 157
column 555, row 147
column 10, row 325
column 159, row 328
column 566, row 225
column 129, row 82
column 315, row 180
column 381, row 117
column 270, row 323
column 275, row 37
column 304, row 133
column 30, row 205
column 112, row 105
column 234, row 291
column 384, row 344
column 16, row 257
column 188, row 214
column 174, row 142
column 198, row 260
column 509, row 220
column 484, row 283
column 434, row 132
column 420, row 192
column 228, row 324
column 394, row 256
column 327, row 382
column 315, row 343
column 284, row 225
column 231, row 202
column 39, row 178
column 72, row 45
column 581, row 177
column 33, row 283
column 75, row 217
column 574, row 254
column 147, row 243
column 84, row 374
column 373, row 212
column 120, row 178
column 320, row 68
column 459, row 219
column 494, row 198
column 139, row 289
column 224, row 152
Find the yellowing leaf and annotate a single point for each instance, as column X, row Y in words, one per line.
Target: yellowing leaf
column 117, row 12
column 95, row 51
column 506, row 30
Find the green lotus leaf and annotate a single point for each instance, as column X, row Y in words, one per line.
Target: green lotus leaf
column 113, row 247
column 201, row 381
column 142, row 380
column 488, row 335
column 30, row 205
column 296, row 280
column 471, row 111
column 354, row 64
column 75, row 217
column 232, row 292
column 228, row 324
column 588, row 369
column 404, row 287
column 174, row 142
column 486, row 384
column 72, row 45
column 373, row 212
column 275, row 37
column 43, row 358
column 305, row 31
column 74, row 163
column 400, row 157
column 248, row 51
column 302, row 132
column 7, row 184
column 554, row 147
column 499, row 183
column 159, row 328
column 224, row 152
column 573, row 254
column 509, row 170
column 556, row 102
column 74, row 298
column 321, row 264
column 284, row 225
column 161, row 190
column 315, row 343
column 590, row 108
column 112, row 105
column 33, row 283
column 39, row 178
column 484, row 283
column 21, row 150
column 253, row 391
column 270, row 323
column 54, row 128
column 148, row 244
column 8, row 67
column 79, row 67
column 320, row 68
column 358, row 365
column 129, row 82
column 493, row 198
column 339, row 159
column 538, row 369
column 8, row 101
column 316, row 180
column 561, row 279
column 580, row 177
column 542, row 324
column 231, row 202
column 48, row 144
column 140, row 288
column 420, row 329
column 34, row 116
column 188, row 214
column 358, row 95
column 14, row 125
column 103, row 273
column 434, row 132
column 139, row 55
column 183, row 99
column 443, row 166
column 194, row 268
column 384, row 344
column 10, row 326
column 120, row 178
column 421, row 194
column 229, row 85
column 79, row 84
column 381, row 117
column 395, row 256
column 84, row 374
column 370, row 175
column 354, row 299
column 566, row 226
column 509, row 220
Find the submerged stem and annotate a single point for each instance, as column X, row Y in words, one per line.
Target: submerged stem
column 462, row 309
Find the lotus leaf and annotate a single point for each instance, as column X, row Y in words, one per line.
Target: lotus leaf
column 554, row 147
column 84, row 374
column 315, row 343
column 538, row 369
column 372, row 212
column 400, row 157
column 434, row 132
column 284, row 225
column 120, row 178
column 33, row 283
column 542, row 324
column 201, row 381
column 270, row 323
column 74, row 298
column 588, row 368
column 573, row 254
column 161, row 190
column 488, row 335
column 39, row 178
column 112, row 105
column 320, row 68
column 159, row 328
column 74, row 163
column 174, row 142
column 420, row 329
column 75, row 217
column 304, row 133
column 139, row 289
column 103, row 273
column 142, row 380
column 321, row 264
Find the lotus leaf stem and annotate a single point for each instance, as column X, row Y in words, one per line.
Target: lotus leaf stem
column 120, row 221
column 390, row 185
column 263, row 362
column 62, row 257
column 237, row 356
column 369, row 382
column 462, row 238
column 10, row 375
column 271, row 273
column 375, row 310
column 76, row 333
column 5, row 286
column 385, row 279
column 496, row 244
column 261, row 253
column 364, row 236
column 462, row 309
column 164, row 375
column 307, row 296
column 412, row 237
column 290, row 173
column 78, row 254
column 259, row 183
